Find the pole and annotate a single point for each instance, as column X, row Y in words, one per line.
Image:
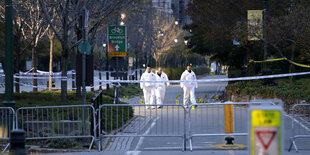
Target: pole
column 107, row 69
column 9, row 60
column 100, row 88
column 99, row 69
column 116, row 87
column 84, row 69
column 265, row 34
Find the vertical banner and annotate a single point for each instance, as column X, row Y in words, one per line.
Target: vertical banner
column 255, row 25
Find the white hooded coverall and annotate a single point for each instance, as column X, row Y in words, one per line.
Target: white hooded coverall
column 161, row 88
column 188, row 87
column 148, row 88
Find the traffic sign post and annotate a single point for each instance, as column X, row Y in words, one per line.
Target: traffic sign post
column 84, row 47
column 265, row 130
column 117, row 47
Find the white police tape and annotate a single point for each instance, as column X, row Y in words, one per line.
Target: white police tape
column 38, row 77
column 55, row 88
column 41, row 87
column 42, row 73
column 118, row 82
column 210, row 80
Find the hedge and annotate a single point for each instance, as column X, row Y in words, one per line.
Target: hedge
column 175, row 73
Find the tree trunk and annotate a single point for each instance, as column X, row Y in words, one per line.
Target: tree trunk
column 50, row 82
column 63, row 74
column 64, row 55
column 34, row 66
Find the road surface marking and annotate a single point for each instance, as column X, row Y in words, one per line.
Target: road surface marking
column 146, row 132
column 231, row 152
column 302, row 125
column 133, row 152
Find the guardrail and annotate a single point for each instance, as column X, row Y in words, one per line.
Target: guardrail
column 228, row 119
column 96, row 101
column 124, row 120
column 7, row 124
column 57, row 122
column 300, row 123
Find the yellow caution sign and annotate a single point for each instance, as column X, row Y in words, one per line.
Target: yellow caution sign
column 265, row 128
column 229, row 118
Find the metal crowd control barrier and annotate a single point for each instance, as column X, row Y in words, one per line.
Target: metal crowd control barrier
column 7, row 124
column 228, row 119
column 300, row 123
column 57, row 122
column 136, row 120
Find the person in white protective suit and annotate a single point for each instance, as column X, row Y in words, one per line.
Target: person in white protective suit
column 189, row 87
column 148, row 87
column 161, row 87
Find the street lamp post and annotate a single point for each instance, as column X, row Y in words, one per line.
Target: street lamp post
column 265, row 34
column 9, row 92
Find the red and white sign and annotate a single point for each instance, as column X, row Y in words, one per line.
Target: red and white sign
column 266, row 140
column 266, row 137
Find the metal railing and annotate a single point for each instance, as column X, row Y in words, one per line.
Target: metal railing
column 96, row 101
column 300, row 123
column 233, row 123
column 57, row 122
column 124, row 120
column 7, row 124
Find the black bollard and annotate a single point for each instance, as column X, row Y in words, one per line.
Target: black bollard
column 229, row 140
column 17, row 143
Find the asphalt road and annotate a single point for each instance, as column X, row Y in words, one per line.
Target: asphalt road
column 169, row 121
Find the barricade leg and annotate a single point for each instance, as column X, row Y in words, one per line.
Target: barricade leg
column 293, row 143
column 6, row 147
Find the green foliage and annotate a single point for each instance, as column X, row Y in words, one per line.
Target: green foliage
column 46, row 98
column 175, row 73
column 201, row 70
column 130, row 90
column 64, row 143
column 115, row 117
column 234, row 72
column 280, row 88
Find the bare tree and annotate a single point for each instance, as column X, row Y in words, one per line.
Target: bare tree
column 69, row 13
column 36, row 26
column 166, row 35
